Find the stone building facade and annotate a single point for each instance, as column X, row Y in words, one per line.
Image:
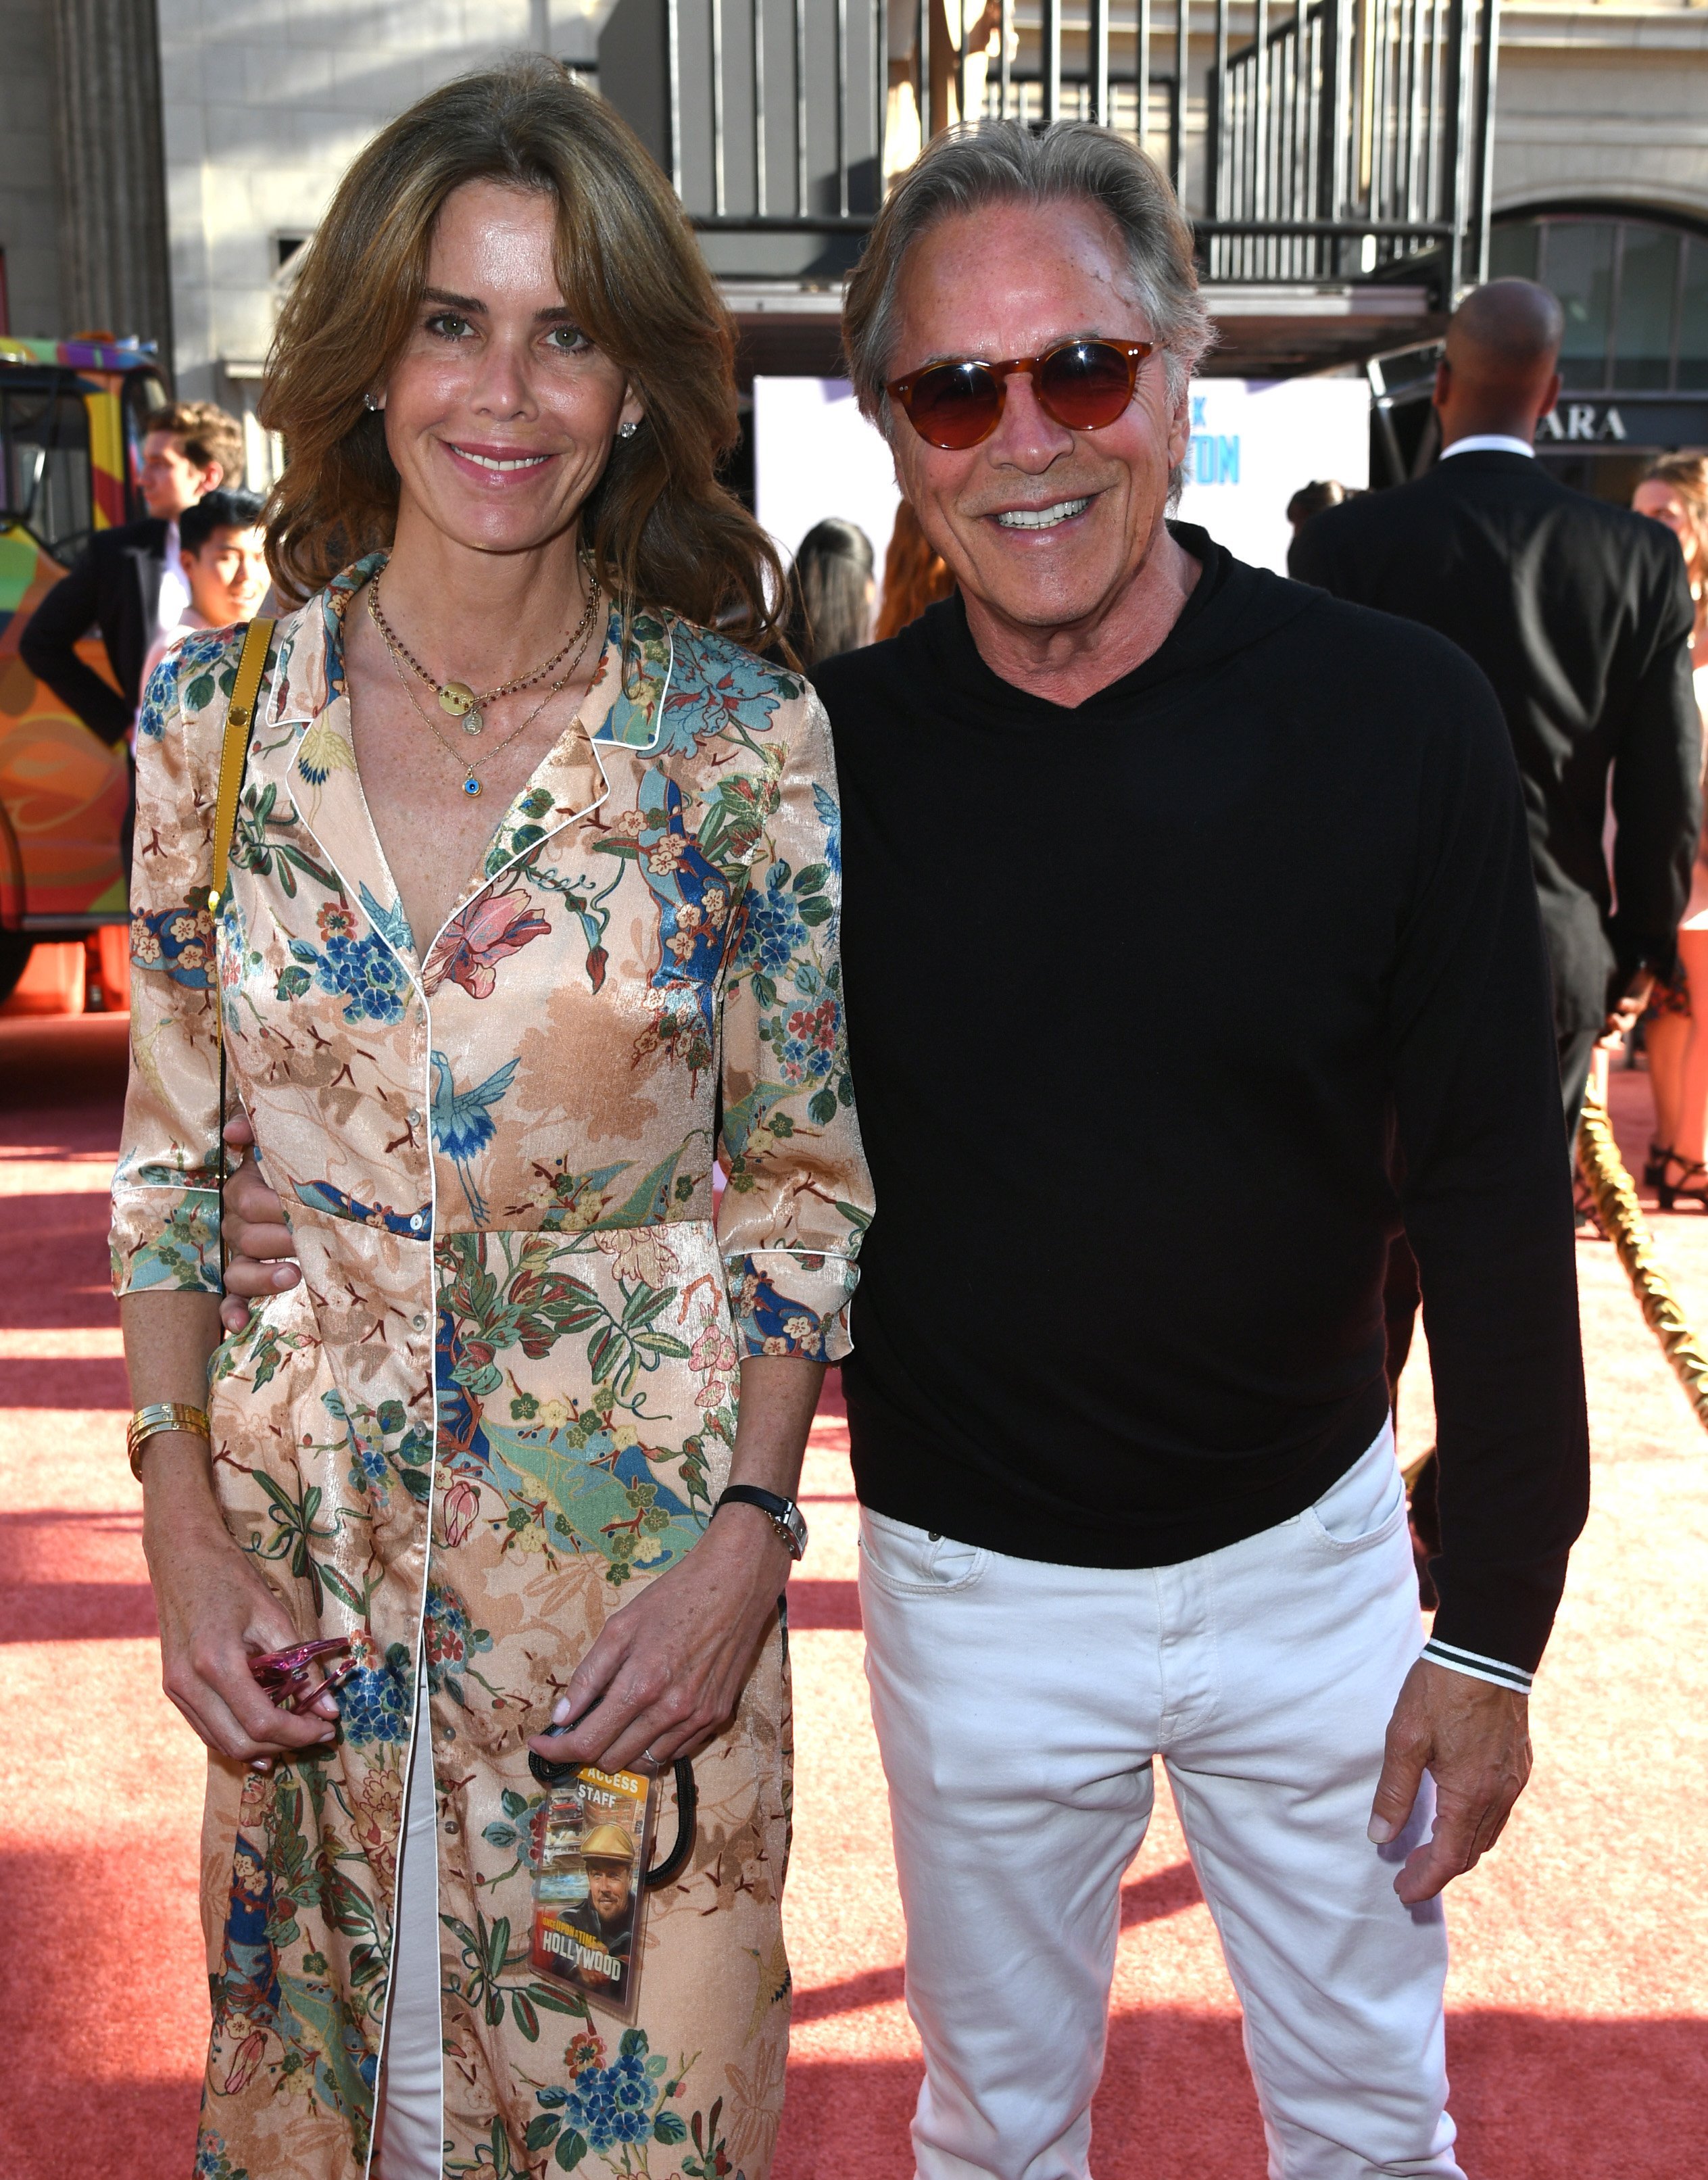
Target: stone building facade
column 28, row 179
column 1603, row 103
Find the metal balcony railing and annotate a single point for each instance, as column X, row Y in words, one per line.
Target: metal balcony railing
column 1344, row 140
column 1310, row 142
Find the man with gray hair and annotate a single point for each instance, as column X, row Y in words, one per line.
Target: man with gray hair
column 1190, row 947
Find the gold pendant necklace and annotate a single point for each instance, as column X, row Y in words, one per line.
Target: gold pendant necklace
column 471, row 785
column 456, row 697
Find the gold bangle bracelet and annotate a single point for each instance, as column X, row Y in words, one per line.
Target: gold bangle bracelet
column 159, row 1416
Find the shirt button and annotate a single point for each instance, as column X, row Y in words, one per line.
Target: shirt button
column 419, row 1322
column 416, row 1222
column 413, row 1116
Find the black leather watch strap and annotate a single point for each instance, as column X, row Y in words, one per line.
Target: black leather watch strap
column 786, row 1517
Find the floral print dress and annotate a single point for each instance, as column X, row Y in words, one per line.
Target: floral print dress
column 503, row 1396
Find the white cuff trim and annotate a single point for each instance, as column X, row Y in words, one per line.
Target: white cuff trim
column 1473, row 1663
column 123, row 1188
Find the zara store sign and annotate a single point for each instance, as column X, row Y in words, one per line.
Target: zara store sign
column 1627, row 422
column 1583, row 423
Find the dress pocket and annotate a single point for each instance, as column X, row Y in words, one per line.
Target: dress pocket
column 909, row 1562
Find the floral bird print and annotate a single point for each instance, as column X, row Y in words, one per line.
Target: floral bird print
column 477, row 938
column 496, row 1410
column 461, row 1123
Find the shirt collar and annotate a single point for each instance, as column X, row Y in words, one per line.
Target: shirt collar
column 1488, row 442
column 172, row 597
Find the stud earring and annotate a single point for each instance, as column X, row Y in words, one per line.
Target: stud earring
column 627, row 431
column 370, row 401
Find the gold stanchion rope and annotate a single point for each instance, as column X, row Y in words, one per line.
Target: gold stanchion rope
column 1622, row 1219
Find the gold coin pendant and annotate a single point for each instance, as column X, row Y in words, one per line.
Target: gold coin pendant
column 456, row 697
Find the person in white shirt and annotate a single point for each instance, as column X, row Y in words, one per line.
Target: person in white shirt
column 223, row 557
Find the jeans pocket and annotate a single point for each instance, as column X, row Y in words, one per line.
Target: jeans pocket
column 909, row 1562
column 1362, row 1509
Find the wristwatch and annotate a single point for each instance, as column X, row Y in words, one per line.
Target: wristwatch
column 785, row 1516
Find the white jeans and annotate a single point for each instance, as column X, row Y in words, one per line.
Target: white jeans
column 1018, row 1706
column 409, row 2125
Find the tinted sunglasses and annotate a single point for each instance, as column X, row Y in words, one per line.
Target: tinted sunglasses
column 1083, row 384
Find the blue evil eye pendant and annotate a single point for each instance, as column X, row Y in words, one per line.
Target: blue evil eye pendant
column 471, row 786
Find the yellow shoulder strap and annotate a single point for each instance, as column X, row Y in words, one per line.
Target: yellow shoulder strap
column 234, row 748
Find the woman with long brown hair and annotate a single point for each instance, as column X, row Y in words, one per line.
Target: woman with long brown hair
column 531, row 923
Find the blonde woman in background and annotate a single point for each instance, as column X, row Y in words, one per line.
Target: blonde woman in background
column 1675, row 491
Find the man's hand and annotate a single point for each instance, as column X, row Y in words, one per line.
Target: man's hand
column 258, row 1246
column 1473, row 1739
column 980, row 34
column 1623, row 1018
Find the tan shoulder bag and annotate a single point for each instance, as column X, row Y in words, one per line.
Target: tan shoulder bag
column 234, row 760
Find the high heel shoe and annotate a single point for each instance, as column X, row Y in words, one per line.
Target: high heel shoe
column 1655, row 1166
column 1690, row 1187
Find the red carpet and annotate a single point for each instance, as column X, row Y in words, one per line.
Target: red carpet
column 1579, row 2035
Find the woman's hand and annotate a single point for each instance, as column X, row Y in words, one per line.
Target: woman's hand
column 666, row 1672
column 259, row 1252
column 216, row 1613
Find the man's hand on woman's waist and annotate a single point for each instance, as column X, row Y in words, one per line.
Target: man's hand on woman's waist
column 260, row 1253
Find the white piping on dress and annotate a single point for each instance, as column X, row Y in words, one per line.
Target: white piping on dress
column 420, row 1721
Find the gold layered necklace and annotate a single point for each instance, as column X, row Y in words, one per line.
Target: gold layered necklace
column 456, row 697
column 469, row 769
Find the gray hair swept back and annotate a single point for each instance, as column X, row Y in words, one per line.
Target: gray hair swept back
column 1003, row 162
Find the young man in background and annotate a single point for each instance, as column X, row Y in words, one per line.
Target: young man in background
column 129, row 583
column 223, row 556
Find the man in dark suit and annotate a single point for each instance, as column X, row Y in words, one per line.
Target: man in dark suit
column 1578, row 613
column 128, row 582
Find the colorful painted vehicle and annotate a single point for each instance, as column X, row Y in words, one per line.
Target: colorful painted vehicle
column 71, row 417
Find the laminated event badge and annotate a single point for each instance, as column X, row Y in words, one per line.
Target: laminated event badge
column 592, row 1839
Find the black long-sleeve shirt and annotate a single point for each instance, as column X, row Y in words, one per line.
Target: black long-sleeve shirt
column 1149, row 1003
